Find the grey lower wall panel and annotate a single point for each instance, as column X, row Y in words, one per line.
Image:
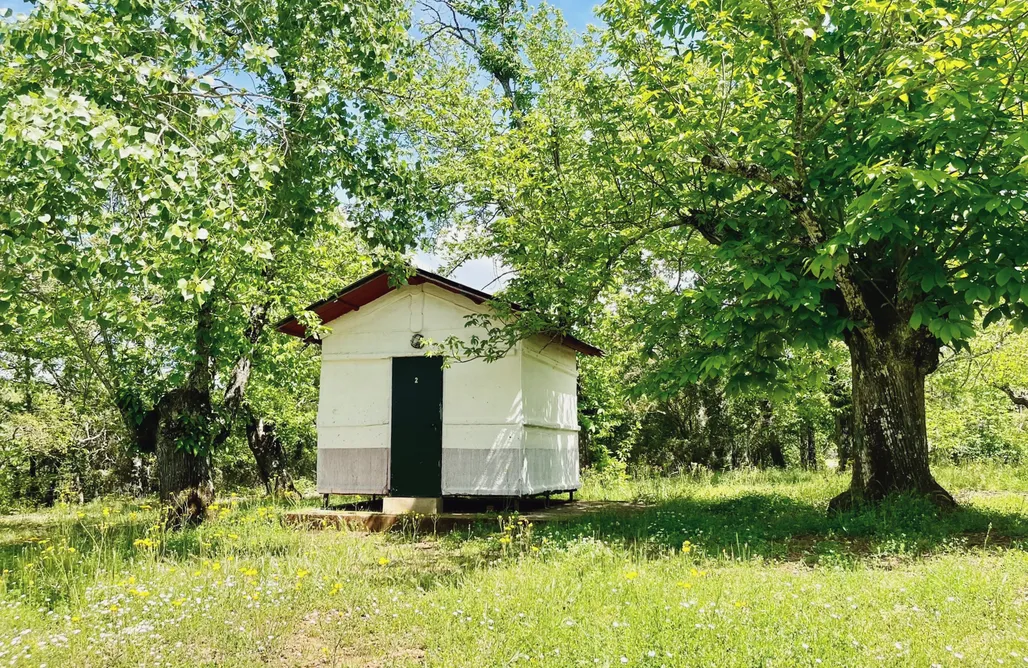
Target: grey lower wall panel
column 495, row 471
column 509, row 471
column 551, row 470
column 353, row 470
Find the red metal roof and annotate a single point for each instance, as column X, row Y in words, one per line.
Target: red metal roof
column 376, row 285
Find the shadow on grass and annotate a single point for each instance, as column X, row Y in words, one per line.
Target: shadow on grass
column 776, row 527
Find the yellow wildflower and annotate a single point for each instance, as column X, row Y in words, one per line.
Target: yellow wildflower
column 631, row 575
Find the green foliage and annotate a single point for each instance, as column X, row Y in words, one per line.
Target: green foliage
column 873, row 142
column 55, row 450
column 759, row 178
column 969, row 416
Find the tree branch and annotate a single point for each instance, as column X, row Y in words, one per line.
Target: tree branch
column 791, row 189
column 1021, row 402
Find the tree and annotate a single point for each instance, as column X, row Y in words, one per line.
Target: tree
column 971, row 414
column 870, row 156
column 161, row 210
column 59, row 439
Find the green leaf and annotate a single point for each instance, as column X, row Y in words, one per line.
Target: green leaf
column 993, row 316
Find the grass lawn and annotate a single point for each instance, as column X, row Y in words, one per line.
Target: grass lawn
column 765, row 579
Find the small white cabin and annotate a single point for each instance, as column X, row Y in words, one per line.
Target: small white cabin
column 394, row 421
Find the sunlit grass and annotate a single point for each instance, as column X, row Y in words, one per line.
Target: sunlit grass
column 738, row 569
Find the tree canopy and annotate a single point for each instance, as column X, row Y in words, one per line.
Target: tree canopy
column 171, row 177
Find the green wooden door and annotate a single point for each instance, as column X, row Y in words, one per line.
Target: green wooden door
column 416, row 442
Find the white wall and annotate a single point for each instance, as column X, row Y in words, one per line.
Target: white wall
column 353, row 426
column 482, row 418
column 550, row 380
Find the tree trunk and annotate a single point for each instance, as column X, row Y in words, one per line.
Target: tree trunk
column 808, row 448
column 890, row 441
column 769, row 447
column 184, row 479
column 272, row 462
column 777, row 454
column 844, row 435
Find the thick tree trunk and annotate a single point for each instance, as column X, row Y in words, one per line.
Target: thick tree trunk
column 184, row 479
column 272, row 462
column 890, row 440
column 186, row 433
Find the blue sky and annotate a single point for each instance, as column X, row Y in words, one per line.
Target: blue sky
column 578, row 13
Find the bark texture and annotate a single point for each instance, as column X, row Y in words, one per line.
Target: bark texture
column 1018, row 399
column 890, row 438
column 184, row 479
column 270, row 455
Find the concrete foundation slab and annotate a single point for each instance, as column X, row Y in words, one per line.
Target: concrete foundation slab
column 398, row 505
